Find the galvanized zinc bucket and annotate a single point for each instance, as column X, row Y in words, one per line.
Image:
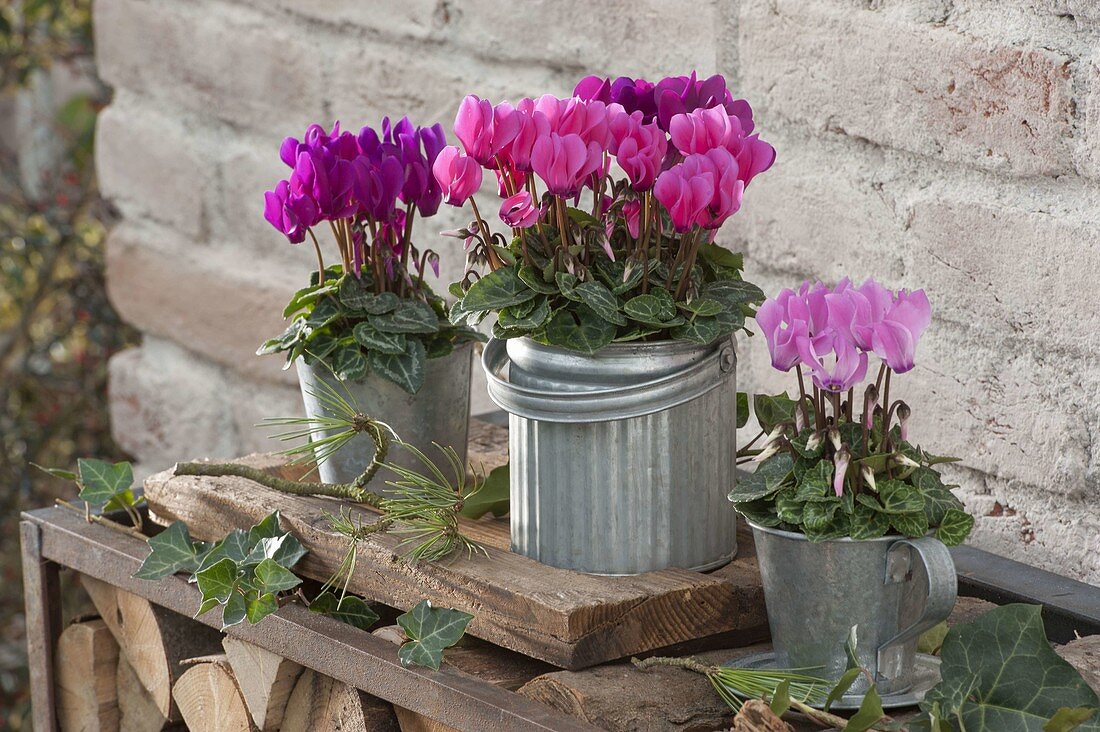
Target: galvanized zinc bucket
column 892, row 588
column 439, row 413
column 620, row 461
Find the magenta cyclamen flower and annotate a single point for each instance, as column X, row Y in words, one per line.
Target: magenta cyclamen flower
column 291, row 215
column 458, row 175
column 519, row 211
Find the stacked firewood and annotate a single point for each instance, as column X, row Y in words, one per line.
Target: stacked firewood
column 141, row 668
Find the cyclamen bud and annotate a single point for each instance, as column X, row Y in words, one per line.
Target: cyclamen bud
column 904, row 413
column 841, row 460
column 773, row 436
column 870, row 400
column 767, row 453
column 868, row 477
column 834, row 437
column 905, row 461
column 813, row 442
column 799, row 420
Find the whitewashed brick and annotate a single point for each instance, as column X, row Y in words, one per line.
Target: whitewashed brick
column 150, row 167
column 913, row 86
column 221, row 303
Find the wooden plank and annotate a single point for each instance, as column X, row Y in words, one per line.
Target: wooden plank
column 570, row 619
column 325, row 645
column 42, row 602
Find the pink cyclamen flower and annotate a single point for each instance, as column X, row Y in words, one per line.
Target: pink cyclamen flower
column 782, row 329
column 457, row 174
column 850, row 366
column 638, row 148
column 684, row 196
column 703, row 190
column 632, row 211
column 484, row 130
column 705, row 129
column 895, row 338
column 564, row 162
column 519, row 211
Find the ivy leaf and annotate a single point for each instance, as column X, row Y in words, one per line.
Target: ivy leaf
column 897, row 497
column 267, row 528
column 235, row 546
column 870, row 712
column 999, row 672
column 271, row 577
column 102, row 481
column 1067, row 719
column 846, row 680
column 931, row 640
column 411, row 316
column 430, row 630
column 497, row 290
column 579, row 329
column 955, row 527
column 493, row 497
column 58, row 473
column 259, row 607
column 351, row 610
column 218, row 581
column 596, row 296
column 235, row 611
column 172, row 550
column 770, row 476
column 405, row 370
column 781, row 698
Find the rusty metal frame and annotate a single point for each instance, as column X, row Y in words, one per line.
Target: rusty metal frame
column 53, row 538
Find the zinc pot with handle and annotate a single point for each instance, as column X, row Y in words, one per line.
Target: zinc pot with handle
column 620, row 460
column 438, row 413
column 891, row 589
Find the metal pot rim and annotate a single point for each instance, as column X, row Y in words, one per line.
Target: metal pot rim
column 798, row 536
column 667, row 347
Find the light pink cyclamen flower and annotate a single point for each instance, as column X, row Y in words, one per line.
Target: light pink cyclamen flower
column 683, row 188
column 457, row 174
column 484, row 130
column 849, row 368
column 638, row 148
column 887, row 323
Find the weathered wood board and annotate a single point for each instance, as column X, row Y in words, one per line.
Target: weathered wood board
column 566, row 618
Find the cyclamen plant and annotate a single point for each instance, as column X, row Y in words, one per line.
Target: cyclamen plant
column 827, row 469
column 637, row 263
column 373, row 311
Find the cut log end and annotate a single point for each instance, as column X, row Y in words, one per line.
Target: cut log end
column 209, row 699
column 265, row 679
column 319, row 702
column 86, row 661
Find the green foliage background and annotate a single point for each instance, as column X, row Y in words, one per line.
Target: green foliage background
column 57, row 328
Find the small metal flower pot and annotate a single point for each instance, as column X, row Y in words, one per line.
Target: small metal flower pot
column 620, row 461
column 438, row 413
column 892, row 588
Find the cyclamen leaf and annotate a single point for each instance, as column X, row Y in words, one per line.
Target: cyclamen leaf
column 955, row 527
column 999, row 672
column 770, row 476
column 430, row 630
column 910, row 524
column 651, row 309
column 602, row 301
column 868, row 522
column 732, row 292
column 773, row 410
column 367, row 336
column 536, row 317
column 534, row 280
column 817, row 515
column 699, row 330
column 703, row 307
column 742, row 409
column 789, row 509
column 171, row 551
column 405, row 370
column 579, row 329
column 349, row 363
column 567, row 283
column 351, row 609
column 897, row 497
column 719, row 255
column 102, row 481
column 411, row 316
column 497, row 290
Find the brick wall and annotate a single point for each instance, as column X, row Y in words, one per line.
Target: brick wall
column 930, row 143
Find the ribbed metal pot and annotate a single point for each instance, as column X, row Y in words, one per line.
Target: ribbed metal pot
column 620, row 461
column 439, row 413
column 891, row 588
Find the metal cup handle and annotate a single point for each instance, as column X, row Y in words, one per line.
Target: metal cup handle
column 942, row 587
